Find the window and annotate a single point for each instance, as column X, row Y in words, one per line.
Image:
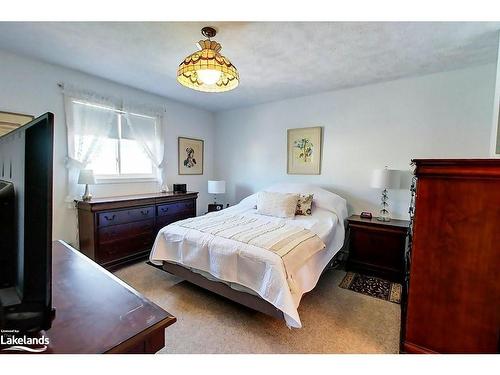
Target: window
column 120, row 153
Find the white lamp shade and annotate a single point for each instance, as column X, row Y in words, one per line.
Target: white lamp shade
column 86, row 176
column 386, row 179
column 216, row 187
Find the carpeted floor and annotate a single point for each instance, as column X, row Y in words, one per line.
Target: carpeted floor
column 334, row 320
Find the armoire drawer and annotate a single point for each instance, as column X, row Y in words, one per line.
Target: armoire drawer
column 125, row 216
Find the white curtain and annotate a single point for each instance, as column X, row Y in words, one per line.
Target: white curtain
column 148, row 131
column 87, row 125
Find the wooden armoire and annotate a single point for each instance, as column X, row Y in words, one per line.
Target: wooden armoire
column 451, row 291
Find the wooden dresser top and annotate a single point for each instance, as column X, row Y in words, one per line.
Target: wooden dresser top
column 134, row 200
column 457, row 168
column 95, row 311
column 395, row 223
column 122, row 198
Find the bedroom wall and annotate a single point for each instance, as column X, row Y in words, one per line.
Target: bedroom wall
column 495, row 123
column 435, row 116
column 30, row 87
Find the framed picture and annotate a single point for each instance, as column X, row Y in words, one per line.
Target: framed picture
column 304, row 150
column 190, row 156
column 10, row 121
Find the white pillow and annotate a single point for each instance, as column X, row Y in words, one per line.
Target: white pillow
column 277, row 204
column 322, row 198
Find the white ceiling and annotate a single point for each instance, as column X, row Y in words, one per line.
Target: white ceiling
column 276, row 60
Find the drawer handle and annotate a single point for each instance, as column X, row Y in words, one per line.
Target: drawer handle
column 145, row 212
column 163, row 209
column 110, row 218
column 188, row 205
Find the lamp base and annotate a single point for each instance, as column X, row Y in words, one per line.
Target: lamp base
column 86, row 196
column 384, row 212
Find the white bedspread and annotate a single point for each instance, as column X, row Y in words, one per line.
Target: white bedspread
column 255, row 268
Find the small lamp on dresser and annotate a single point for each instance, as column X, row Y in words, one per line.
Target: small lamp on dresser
column 216, row 187
column 86, row 178
column 385, row 179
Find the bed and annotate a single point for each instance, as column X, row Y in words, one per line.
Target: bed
column 244, row 271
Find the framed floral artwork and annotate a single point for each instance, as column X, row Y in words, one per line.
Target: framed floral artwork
column 190, row 156
column 304, row 150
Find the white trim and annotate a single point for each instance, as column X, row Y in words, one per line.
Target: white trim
column 125, row 179
column 93, row 105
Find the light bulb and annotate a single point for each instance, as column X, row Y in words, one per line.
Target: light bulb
column 208, row 76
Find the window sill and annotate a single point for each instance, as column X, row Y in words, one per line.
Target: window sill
column 124, row 180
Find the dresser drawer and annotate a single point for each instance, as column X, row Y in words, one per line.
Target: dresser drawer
column 111, row 251
column 121, row 231
column 163, row 221
column 175, row 208
column 125, row 216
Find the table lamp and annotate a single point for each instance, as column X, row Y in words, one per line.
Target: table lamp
column 385, row 179
column 216, row 187
column 86, row 177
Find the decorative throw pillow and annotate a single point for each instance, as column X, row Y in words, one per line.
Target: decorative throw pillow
column 277, row 204
column 304, row 205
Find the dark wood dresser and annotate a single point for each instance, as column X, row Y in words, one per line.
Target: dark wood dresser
column 451, row 294
column 377, row 247
column 117, row 230
column 98, row 313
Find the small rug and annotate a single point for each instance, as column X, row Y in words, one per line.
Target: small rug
column 372, row 286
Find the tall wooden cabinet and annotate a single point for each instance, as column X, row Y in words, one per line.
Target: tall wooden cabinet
column 451, row 293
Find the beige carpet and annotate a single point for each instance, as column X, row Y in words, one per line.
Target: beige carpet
column 334, row 320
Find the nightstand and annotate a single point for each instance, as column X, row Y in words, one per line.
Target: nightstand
column 376, row 247
column 214, row 207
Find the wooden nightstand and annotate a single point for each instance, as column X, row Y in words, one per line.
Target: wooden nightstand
column 376, row 247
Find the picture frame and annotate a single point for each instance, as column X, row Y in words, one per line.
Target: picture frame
column 304, row 150
column 190, row 156
column 10, row 121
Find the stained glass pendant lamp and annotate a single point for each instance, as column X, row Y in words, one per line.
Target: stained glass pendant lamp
column 207, row 70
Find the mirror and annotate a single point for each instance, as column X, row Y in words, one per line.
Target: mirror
column 11, row 121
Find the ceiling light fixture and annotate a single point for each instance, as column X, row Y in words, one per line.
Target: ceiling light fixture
column 207, row 70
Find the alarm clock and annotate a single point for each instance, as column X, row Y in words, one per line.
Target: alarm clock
column 366, row 215
column 179, row 188
column 215, row 207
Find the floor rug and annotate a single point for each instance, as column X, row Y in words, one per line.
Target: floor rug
column 372, row 286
